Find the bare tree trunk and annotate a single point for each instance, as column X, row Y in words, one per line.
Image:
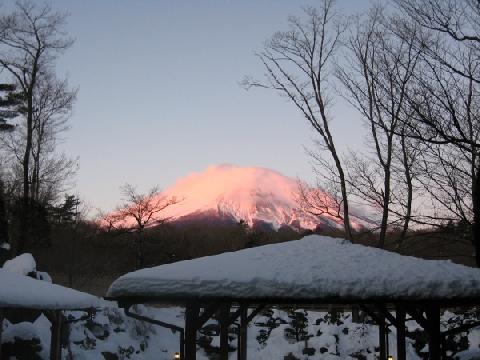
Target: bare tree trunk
column 346, row 217
column 4, row 235
column 387, row 192
column 35, row 185
column 25, row 211
column 385, row 210
column 71, row 263
column 139, row 251
column 409, row 183
column 476, row 216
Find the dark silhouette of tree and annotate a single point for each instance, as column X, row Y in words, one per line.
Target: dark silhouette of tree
column 138, row 211
column 9, row 107
column 377, row 76
column 31, row 37
column 444, row 101
column 298, row 64
column 53, row 102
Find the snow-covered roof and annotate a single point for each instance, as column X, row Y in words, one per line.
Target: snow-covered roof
column 20, row 291
column 315, row 268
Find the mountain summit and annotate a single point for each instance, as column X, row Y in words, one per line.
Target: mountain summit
column 251, row 194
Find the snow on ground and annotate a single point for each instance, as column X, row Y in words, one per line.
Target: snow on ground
column 110, row 332
column 23, row 264
column 20, row 291
column 314, row 267
column 331, row 337
column 38, row 330
column 468, row 355
column 276, row 333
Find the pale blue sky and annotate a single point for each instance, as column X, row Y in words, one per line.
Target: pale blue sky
column 159, row 95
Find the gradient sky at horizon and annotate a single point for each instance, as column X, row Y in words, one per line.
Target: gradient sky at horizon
column 159, row 96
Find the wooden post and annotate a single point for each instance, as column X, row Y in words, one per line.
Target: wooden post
column 224, row 325
column 378, row 314
column 191, row 317
column 382, row 337
column 243, row 333
column 56, row 336
column 2, row 315
column 443, row 347
column 433, row 331
column 387, row 344
column 401, row 346
column 182, row 345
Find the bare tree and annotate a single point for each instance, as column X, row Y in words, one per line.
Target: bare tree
column 318, row 201
column 455, row 26
column 445, row 98
column 376, row 79
column 9, row 101
column 298, row 64
column 447, row 178
column 137, row 212
column 53, row 103
column 50, row 172
column 30, row 39
column 325, row 196
column 406, row 177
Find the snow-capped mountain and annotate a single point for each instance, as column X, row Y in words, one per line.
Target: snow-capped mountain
column 251, row 194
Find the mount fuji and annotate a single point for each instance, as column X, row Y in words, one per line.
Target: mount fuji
column 251, row 194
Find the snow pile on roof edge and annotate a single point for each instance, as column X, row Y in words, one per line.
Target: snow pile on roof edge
column 19, row 291
column 22, row 264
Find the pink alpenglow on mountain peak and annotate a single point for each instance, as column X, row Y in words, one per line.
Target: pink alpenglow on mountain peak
column 243, row 193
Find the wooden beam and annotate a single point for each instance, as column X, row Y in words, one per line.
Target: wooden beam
column 2, row 316
column 243, row 333
column 56, row 336
column 233, row 316
column 224, row 326
column 433, row 332
column 400, row 315
column 207, row 314
column 172, row 327
column 417, row 315
column 382, row 333
column 387, row 314
column 339, row 300
column 461, row 328
column 443, row 347
column 387, row 342
column 371, row 312
column 382, row 336
column 255, row 312
column 133, row 315
column 191, row 319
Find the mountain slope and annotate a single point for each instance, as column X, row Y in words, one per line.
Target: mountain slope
column 242, row 193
